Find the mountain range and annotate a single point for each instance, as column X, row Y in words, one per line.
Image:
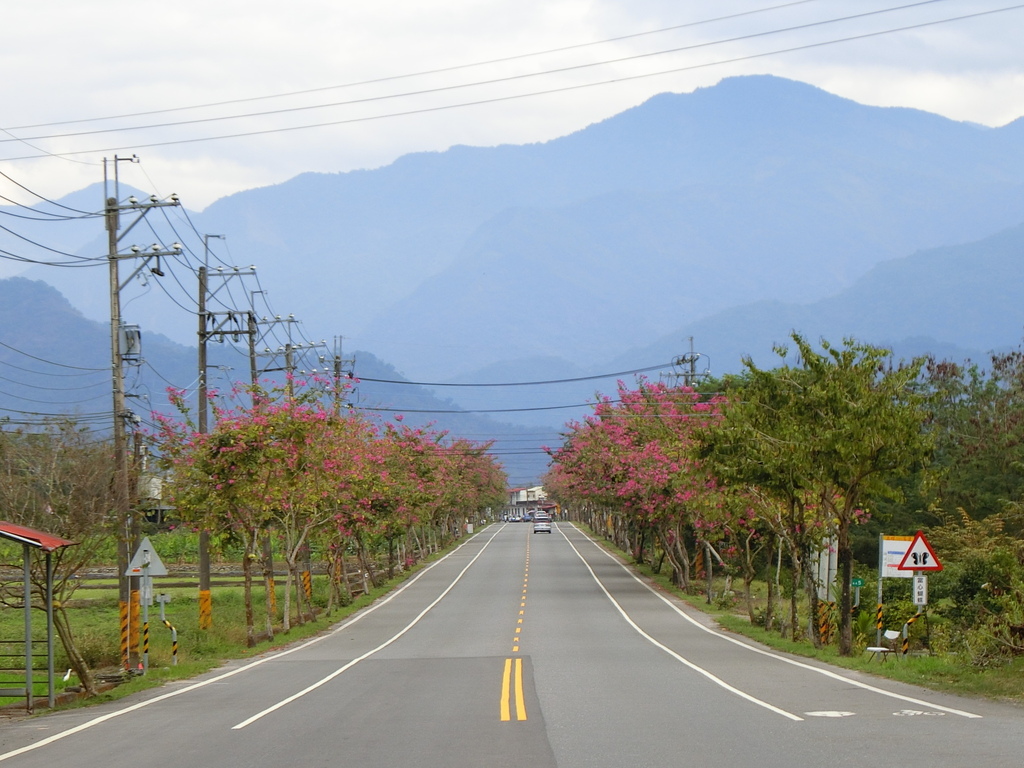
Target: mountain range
column 731, row 215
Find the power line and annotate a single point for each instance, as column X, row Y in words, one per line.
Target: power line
column 481, row 410
column 51, row 389
column 547, row 92
column 516, row 383
column 49, row 362
column 493, row 81
column 422, row 73
column 87, row 214
column 47, row 248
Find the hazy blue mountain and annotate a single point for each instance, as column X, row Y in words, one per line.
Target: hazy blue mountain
column 55, row 361
column 50, row 231
column 732, row 214
column 955, row 302
column 756, row 189
column 591, row 244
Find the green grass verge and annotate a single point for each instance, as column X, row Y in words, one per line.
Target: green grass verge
column 941, row 673
column 96, row 624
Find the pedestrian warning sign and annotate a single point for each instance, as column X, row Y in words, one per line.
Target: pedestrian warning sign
column 920, row 556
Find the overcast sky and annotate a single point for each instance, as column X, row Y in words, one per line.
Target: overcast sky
column 428, row 75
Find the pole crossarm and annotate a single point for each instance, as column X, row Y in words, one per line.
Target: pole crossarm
column 141, row 208
column 155, row 252
column 226, row 324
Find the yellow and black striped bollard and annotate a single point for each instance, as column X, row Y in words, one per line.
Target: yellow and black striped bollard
column 174, row 643
column 125, row 636
column 906, row 634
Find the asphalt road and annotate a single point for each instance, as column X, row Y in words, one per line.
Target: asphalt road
column 529, row 651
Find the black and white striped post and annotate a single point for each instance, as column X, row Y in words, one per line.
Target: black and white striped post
column 163, row 600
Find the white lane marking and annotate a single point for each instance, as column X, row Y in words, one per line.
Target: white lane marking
column 368, row 654
column 794, row 662
column 215, row 680
column 716, row 680
column 830, row 714
column 914, row 712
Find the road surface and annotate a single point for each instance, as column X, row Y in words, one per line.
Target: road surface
column 526, row 650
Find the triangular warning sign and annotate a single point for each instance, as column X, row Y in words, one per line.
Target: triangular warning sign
column 920, row 556
column 145, row 556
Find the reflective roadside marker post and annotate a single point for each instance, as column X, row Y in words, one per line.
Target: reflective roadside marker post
column 163, row 600
column 145, row 610
column 856, row 583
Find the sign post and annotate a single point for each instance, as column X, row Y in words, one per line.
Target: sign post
column 891, row 551
column 919, row 559
column 147, row 564
column 856, row 582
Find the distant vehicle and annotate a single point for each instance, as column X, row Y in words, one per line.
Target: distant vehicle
column 541, row 523
column 527, row 517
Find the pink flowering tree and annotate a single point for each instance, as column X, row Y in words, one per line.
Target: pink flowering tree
column 222, row 480
column 636, row 455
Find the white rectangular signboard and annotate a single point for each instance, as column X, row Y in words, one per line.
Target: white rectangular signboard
column 920, row 590
column 894, row 549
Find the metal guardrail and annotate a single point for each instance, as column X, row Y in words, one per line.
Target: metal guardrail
column 13, row 651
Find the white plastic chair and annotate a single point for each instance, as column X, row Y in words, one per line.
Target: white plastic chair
column 891, row 636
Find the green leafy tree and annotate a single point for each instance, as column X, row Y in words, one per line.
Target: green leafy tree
column 824, row 436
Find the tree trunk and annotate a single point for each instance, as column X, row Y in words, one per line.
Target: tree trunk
column 813, row 607
column 75, row 659
column 419, row 545
column 769, row 609
column 749, row 573
column 270, row 600
column 844, row 557
column 794, row 613
column 300, row 593
column 286, row 617
column 250, row 629
column 670, row 550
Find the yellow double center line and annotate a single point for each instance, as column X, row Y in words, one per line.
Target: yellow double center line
column 512, row 687
column 512, row 681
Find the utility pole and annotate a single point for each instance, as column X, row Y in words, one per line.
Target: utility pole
column 288, row 350
column 205, row 593
column 212, row 324
column 690, row 377
column 340, row 371
column 127, row 593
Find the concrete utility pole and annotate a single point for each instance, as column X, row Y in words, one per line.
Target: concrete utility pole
column 150, row 260
column 690, row 377
column 212, row 324
column 342, row 369
column 288, row 350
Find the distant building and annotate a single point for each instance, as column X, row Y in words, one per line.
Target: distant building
column 523, row 500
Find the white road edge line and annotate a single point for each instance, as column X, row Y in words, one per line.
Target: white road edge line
column 794, row 662
column 368, row 654
column 111, row 715
column 716, row 680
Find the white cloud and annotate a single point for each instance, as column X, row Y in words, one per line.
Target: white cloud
column 74, row 61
